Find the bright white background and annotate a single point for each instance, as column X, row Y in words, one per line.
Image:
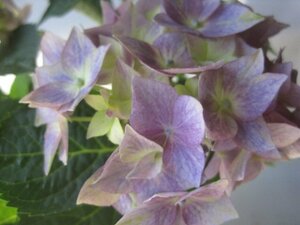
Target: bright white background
column 274, row 197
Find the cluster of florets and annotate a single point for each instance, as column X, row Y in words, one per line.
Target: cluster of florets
column 193, row 103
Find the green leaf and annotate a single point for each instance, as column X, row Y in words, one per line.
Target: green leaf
column 97, row 102
column 56, row 8
column 8, row 215
column 116, row 133
column 51, row 199
column 18, row 55
column 91, row 8
column 20, row 87
column 100, row 124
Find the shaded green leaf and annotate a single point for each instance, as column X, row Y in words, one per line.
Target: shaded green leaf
column 57, row 8
column 51, row 199
column 100, row 124
column 20, row 87
column 91, row 8
column 19, row 53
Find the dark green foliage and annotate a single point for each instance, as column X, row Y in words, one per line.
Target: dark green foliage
column 18, row 54
column 51, row 199
column 59, row 8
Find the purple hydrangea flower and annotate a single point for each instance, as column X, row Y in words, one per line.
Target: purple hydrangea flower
column 161, row 152
column 234, row 99
column 209, row 18
column 72, row 78
column 56, row 135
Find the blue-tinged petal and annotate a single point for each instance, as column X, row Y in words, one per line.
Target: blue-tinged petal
column 52, row 47
column 45, row 115
column 92, row 66
column 164, row 20
column 143, row 51
column 53, row 95
column 188, row 123
column 175, row 10
column 77, row 49
column 246, row 67
column 209, row 213
column 230, row 19
column 173, row 50
column 51, row 74
column 255, row 137
column 253, row 100
column 185, row 163
column 200, row 10
column 152, row 110
column 181, row 208
column 52, row 139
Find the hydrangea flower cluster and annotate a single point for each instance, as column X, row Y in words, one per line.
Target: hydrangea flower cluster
column 188, row 92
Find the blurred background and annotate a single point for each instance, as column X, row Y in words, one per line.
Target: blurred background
column 271, row 199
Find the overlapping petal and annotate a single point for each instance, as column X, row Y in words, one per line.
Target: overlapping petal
column 208, row 205
column 208, row 18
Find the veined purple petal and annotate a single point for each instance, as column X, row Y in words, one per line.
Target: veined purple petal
column 230, row 19
column 220, row 127
column 175, row 10
column 253, row 100
column 53, row 95
column 209, row 213
column 185, row 163
column 78, row 47
column 247, row 67
column 143, row 51
column 51, row 74
column 52, row 139
column 152, row 110
column 164, row 20
column 183, row 209
column 52, row 47
column 188, row 122
column 200, row 10
column 255, row 137
column 173, row 49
